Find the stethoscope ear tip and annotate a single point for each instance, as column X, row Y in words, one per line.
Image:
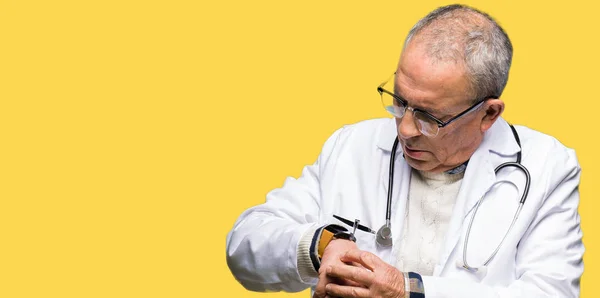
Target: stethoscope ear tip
column 482, row 271
column 479, row 271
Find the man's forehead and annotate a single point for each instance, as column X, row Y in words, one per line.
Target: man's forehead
column 429, row 84
column 428, row 78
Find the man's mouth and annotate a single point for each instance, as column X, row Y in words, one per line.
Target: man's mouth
column 414, row 153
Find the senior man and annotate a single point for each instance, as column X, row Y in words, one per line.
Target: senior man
column 464, row 204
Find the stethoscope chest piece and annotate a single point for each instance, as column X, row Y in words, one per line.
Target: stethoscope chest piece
column 384, row 235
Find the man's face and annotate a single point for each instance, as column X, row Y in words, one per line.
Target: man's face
column 442, row 90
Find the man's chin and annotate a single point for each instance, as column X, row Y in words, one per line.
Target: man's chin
column 421, row 165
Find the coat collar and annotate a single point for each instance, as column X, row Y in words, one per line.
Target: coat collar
column 387, row 134
column 494, row 139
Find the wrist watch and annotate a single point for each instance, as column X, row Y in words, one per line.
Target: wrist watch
column 332, row 232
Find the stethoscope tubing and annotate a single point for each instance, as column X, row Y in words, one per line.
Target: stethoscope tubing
column 517, row 164
column 517, row 213
column 388, row 210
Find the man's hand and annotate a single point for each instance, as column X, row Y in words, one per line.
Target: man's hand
column 375, row 278
column 332, row 256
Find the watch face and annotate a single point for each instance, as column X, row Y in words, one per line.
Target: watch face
column 345, row 235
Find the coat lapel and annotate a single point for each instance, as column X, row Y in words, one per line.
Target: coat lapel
column 479, row 177
column 497, row 146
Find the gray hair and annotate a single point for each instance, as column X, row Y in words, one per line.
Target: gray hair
column 469, row 37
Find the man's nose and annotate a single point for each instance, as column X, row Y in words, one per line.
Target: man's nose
column 407, row 127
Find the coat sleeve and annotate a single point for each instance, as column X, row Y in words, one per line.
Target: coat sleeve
column 262, row 246
column 549, row 258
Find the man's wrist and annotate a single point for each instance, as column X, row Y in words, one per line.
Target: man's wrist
column 330, row 233
column 322, row 237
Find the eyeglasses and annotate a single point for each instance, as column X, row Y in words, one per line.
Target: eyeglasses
column 427, row 124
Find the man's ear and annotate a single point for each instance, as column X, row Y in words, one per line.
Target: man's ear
column 493, row 108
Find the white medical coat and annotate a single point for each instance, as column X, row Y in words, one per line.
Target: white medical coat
column 541, row 256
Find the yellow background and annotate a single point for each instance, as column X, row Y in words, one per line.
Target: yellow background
column 133, row 133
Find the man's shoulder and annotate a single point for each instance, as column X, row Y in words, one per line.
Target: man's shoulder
column 544, row 147
column 362, row 136
column 368, row 127
column 367, row 132
column 539, row 139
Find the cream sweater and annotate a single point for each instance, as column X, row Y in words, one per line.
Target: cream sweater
column 430, row 202
column 429, row 208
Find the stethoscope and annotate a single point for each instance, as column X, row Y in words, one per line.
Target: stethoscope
column 384, row 234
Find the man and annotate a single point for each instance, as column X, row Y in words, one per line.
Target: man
column 476, row 207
